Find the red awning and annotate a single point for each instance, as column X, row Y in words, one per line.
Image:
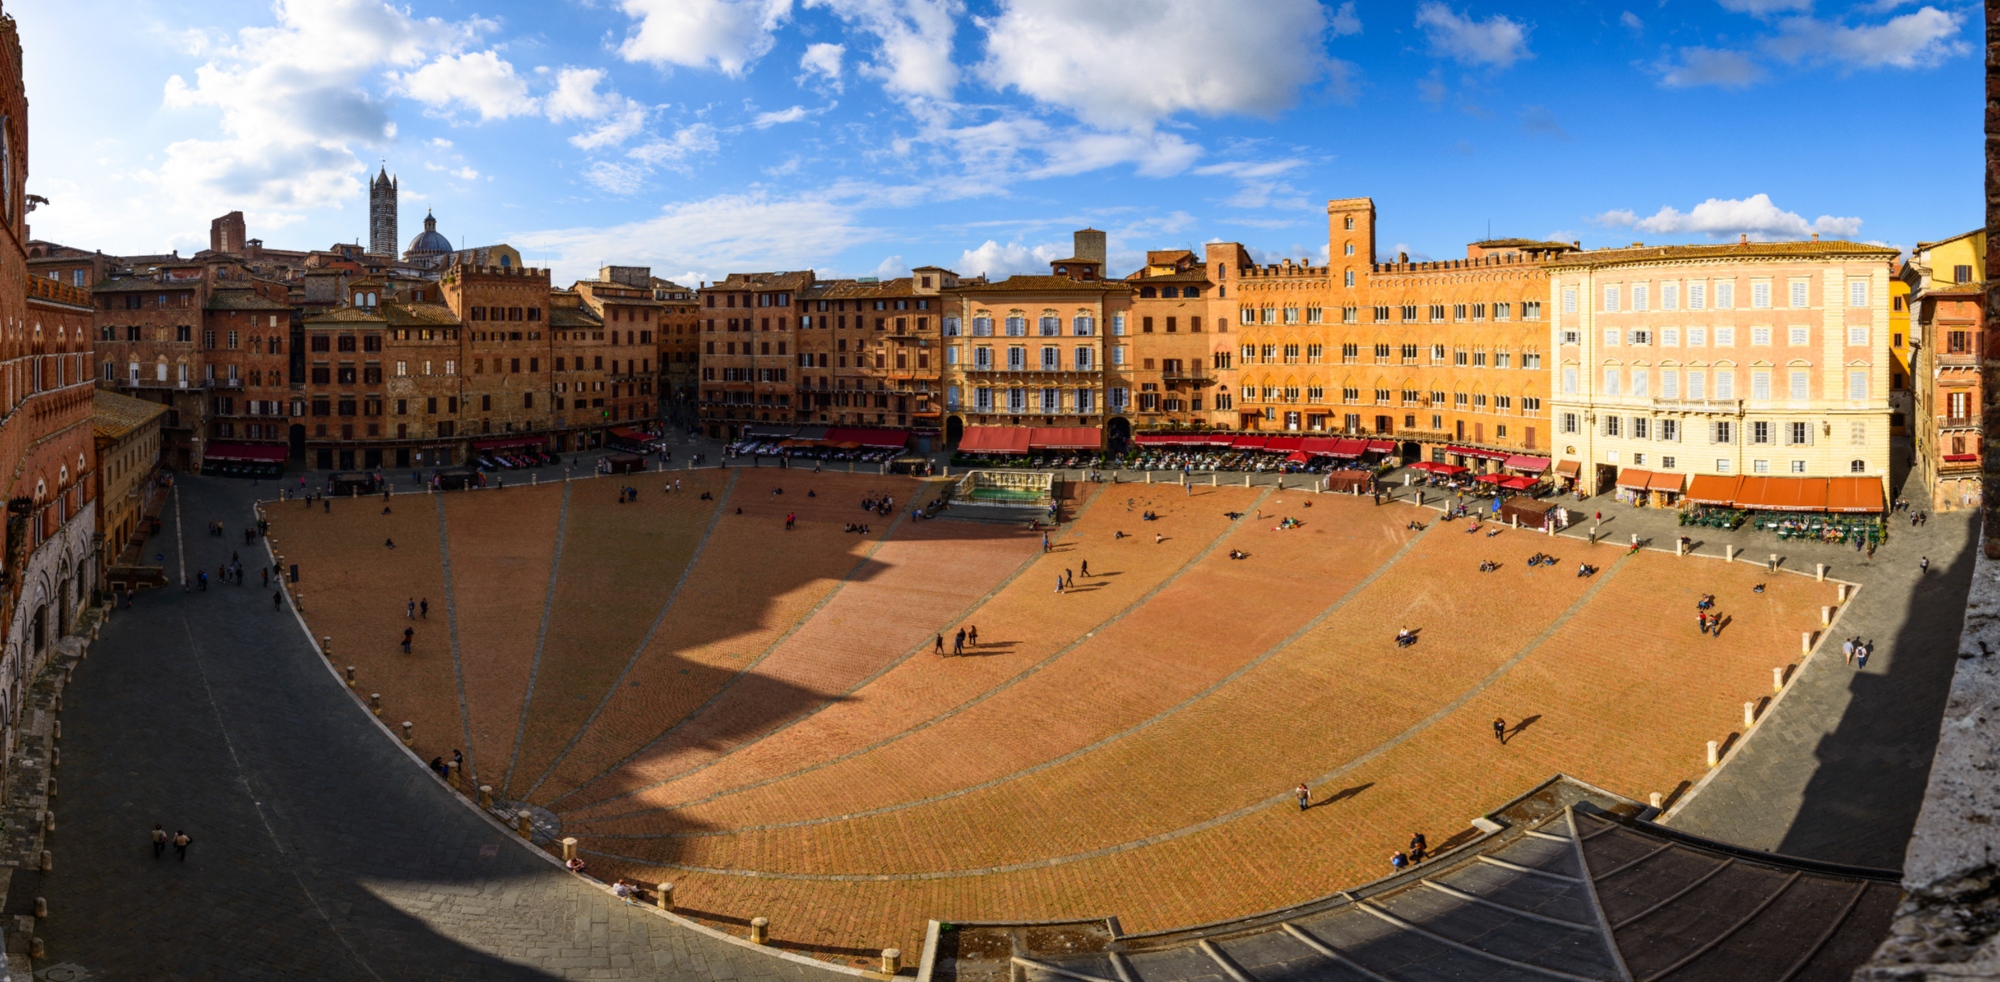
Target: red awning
column 992, row 439
column 1436, row 468
column 629, row 434
column 1714, row 489
column 1808, row 493
column 1663, row 481
column 1348, row 448
column 1522, row 462
column 1298, row 457
column 1634, row 479
column 1284, row 444
column 507, row 443
column 1322, row 445
column 1517, row 482
column 263, row 453
column 1249, row 442
column 1381, row 446
column 1756, row 492
column 1477, row 452
column 1569, row 468
column 1854, row 494
column 1960, row 458
column 1065, row 438
column 879, row 439
column 1172, row 439
column 1490, row 478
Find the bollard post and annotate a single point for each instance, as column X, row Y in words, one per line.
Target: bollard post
column 1406, row 479
column 1805, row 642
column 409, row 739
column 1728, row 554
column 1841, row 593
column 1820, row 573
column 48, row 861
column 1778, row 679
column 1680, row 546
column 1773, row 565
column 1514, row 520
column 663, row 896
column 486, row 796
column 350, row 676
column 1657, row 800
column 892, row 961
column 1149, row 477
column 451, row 772
column 1714, row 753
column 375, row 702
column 36, row 949
column 41, row 906
column 1749, row 713
column 52, row 787
column 524, row 823
column 1246, row 479
column 760, row 930
column 1826, row 616
column 326, row 645
column 568, row 848
column 48, row 820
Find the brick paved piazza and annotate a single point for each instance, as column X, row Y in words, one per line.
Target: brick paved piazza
column 701, row 696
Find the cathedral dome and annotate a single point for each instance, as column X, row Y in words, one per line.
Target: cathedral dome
column 429, row 242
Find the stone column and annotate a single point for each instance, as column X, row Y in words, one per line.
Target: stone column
column 760, row 930
column 524, row 824
column 1714, row 753
column 568, row 848
column 663, row 895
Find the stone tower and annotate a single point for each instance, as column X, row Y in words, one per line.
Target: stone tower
column 382, row 236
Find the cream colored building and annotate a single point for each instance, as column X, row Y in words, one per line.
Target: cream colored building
column 1754, row 359
column 129, row 452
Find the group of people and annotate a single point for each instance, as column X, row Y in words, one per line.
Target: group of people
column 626, row 494
column 968, row 635
column 1857, row 651
column 1405, row 637
column 1710, row 620
column 446, row 770
column 179, row 840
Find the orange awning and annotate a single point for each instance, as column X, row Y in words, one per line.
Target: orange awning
column 1759, row 493
column 1808, row 493
column 1663, row 481
column 1569, row 468
column 1634, row 478
column 1854, row 494
column 994, row 439
column 1714, row 489
column 1065, row 438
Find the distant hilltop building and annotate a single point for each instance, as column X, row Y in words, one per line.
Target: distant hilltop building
column 382, row 214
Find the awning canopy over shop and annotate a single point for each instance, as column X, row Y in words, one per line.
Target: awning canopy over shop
column 1854, row 494
column 1283, row 444
column 1663, row 481
column 508, row 443
column 766, row 432
column 1436, row 468
column 261, row 453
column 1349, row 448
column 1517, row 482
column 1065, row 438
column 1714, row 489
column 1522, row 462
column 879, row 439
column 1172, row 439
column 994, row 440
column 1478, row 452
column 629, row 434
column 1634, row 479
column 1851, row 495
column 1321, row 446
column 1569, row 468
column 1249, row 442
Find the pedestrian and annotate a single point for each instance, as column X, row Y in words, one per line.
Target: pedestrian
column 1701, row 617
column 1418, row 847
column 1069, row 578
column 1059, row 584
column 939, row 648
column 1847, row 650
column 409, row 634
column 1500, row 730
column 1923, row 566
column 181, row 843
column 424, row 607
column 458, row 761
column 1085, row 566
column 437, row 764
column 267, row 575
column 1305, row 796
column 159, row 841
column 958, row 642
column 1158, row 538
column 1045, row 542
column 277, row 599
column 410, row 609
column 972, row 635
column 1398, row 860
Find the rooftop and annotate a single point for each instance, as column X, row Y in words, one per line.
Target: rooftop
column 1823, row 249
column 114, row 415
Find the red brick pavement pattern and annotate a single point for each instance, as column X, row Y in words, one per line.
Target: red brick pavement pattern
column 1093, row 693
column 1183, row 819
column 620, row 563
column 923, row 572
column 753, row 583
column 501, row 545
column 356, row 590
column 1017, row 629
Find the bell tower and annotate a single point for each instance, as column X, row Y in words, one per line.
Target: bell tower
column 382, row 236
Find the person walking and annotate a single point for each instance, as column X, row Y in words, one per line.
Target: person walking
column 181, row 842
column 277, row 600
column 424, row 608
column 1500, row 729
column 1059, row 584
column 1304, row 795
column 458, row 762
column 1701, row 617
column 1847, row 650
column 1045, row 542
column 1069, row 579
column 159, row 841
column 410, row 609
column 1085, row 566
column 409, row 634
column 939, row 648
column 958, row 642
column 1923, row 567
column 972, row 635
column 1419, row 846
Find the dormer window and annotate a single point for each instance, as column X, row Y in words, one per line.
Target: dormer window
column 1062, row 270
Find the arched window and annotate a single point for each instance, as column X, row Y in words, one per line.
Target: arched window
column 1857, row 466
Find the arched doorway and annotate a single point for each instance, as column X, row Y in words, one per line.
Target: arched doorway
column 954, row 431
column 38, row 629
column 1117, row 433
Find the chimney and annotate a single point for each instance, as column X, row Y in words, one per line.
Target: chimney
column 1090, row 245
column 1742, row 238
column 1815, row 236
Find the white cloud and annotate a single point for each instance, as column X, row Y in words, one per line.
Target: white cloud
column 724, row 34
column 914, row 39
column 576, row 97
column 1000, row 261
column 1918, row 39
column 438, row 142
column 1632, row 22
column 1344, row 22
column 1711, row 66
column 673, row 153
column 1499, row 40
column 892, row 267
column 1260, row 183
column 765, row 121
column 1130, row 63
column 465, row 174
column 728, row 232
column 293, row 102
column 480, row 80
column 822, row 60
column 1725, row 218
column 1762, row 8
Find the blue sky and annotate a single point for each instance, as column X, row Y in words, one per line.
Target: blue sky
column 860, row 137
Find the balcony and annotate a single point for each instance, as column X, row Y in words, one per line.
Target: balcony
column 154, row 384
column 1958, row 422
column 1186, row 375
column 1728, row 406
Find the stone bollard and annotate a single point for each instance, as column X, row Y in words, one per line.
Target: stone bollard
column 1657, row 800
column 1778, row 679
column 350, row 676
column 326, row 645
column 48, row 820
column 663, row 896
column 524, row 824
column 1728, row 554
column 55, row 757
column 1749, row 713
column 48, row 861
column 1514, row 520
column 36, row 949
column 1714, row 753
column 568, row 848
column 760, row 930
column 486, row 796
column 1149, row 477
column 1840, row 593
column 1805, row 642
column 1680, row 546
column 409, row 739
column 1246, row 479
column 375, row 702
column 1773, row 564
column 451, row 772
column 41, row 906
column 1406, row 479
column 1826, row 616
column 1820, row 573
column 892, row 961
column 52, row 787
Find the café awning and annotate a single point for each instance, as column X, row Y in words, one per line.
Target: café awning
column 1569, row 468
column 1663, row 481
column 1854, row 495
column 256, row 453
column 1381, row 446
column 1065, row 438
column 1714, row 489
column 1437, row 468
column 1517, row 482
column 1522, row 462
column 877, row 439
column 1283, row 444
column 508, row 443
column 1249, row 442
column 1349, row 448
column 1634, row 479
column 1320, row 445
column 1478, row 452
column 1172, row 439
column 994, row 440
